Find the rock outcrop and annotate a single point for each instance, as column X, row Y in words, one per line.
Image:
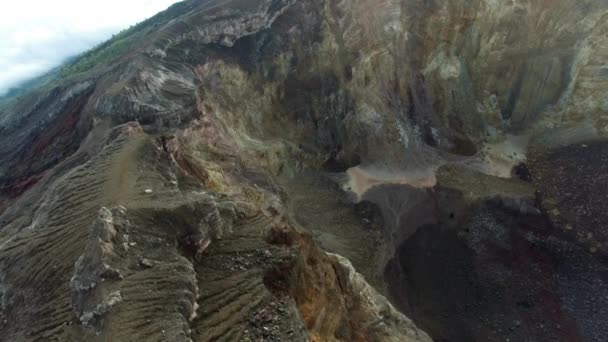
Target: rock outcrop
column 107, row 244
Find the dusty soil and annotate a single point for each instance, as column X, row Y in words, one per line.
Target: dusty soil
column 500, row 276
column 503, row 261
column 573, row 182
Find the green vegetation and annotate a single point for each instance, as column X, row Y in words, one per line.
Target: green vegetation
column 115, row 47
column 120, row 43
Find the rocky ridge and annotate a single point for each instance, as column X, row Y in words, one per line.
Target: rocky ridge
column 152, row 196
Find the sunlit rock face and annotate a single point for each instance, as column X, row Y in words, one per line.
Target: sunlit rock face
column 448, row 123
column 369, row 80
column 379, row 82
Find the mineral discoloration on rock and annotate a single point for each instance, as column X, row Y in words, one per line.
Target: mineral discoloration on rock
column 336, row 303
column 366, row 303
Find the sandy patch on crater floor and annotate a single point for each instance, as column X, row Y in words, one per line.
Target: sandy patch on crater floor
column 497, row 159
column 361, row 179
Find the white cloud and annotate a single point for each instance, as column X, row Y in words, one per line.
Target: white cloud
column 38, row 35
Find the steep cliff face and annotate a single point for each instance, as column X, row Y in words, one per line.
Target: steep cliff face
column 454, row 76
column 156, row 193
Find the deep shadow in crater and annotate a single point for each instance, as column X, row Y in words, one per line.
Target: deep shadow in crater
column 340, row 162
column 495, row 274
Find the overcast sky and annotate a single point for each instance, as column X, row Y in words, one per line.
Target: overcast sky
column 38, row 35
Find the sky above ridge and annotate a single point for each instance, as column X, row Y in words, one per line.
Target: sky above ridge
column 38, row 35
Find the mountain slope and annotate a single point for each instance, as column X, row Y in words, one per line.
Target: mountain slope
column 165, row 187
